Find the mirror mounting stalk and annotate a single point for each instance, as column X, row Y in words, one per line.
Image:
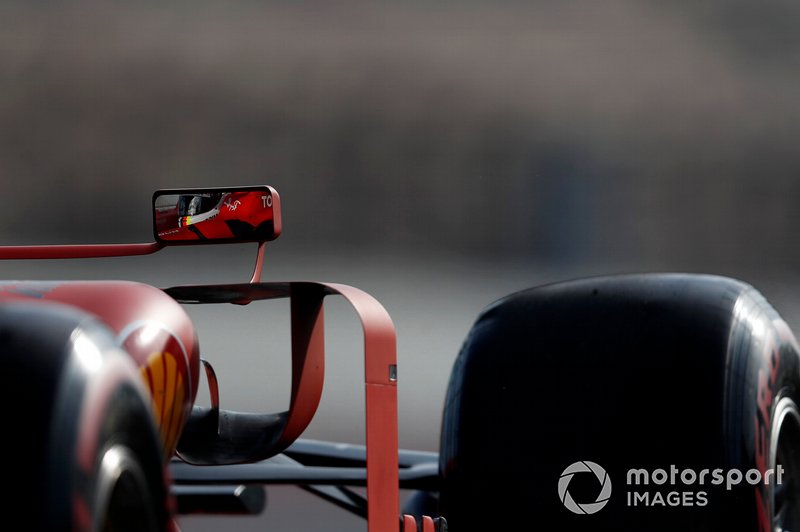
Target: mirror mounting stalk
column 222, row 215
column 78, row 251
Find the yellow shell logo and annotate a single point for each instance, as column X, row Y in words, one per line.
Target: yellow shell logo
column 167, row 390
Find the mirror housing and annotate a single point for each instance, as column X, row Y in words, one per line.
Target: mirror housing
column 216, row 215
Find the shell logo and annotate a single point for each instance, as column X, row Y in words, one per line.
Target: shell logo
column 163, row 376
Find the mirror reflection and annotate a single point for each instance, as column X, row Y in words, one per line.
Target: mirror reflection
column 215, row 215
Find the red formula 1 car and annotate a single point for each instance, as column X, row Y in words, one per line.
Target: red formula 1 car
column 646, row 402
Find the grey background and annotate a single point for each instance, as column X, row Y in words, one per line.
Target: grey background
column 436, row 154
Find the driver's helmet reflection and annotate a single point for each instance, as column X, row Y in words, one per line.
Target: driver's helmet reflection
column 195, row 204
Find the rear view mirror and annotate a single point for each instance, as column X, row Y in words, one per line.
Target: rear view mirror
column 216, row 215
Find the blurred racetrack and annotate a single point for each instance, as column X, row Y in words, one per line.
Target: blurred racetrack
column 438, row 155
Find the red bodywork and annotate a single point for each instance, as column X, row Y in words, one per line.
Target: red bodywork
column 149, row 325
column 158, row 334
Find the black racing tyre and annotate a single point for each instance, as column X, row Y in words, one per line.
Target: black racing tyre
column 625, row 403
column 82, row 443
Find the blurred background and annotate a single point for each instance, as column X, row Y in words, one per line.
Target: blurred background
column 437, row 154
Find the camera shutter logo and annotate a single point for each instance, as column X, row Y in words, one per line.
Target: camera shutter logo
column 590, row 507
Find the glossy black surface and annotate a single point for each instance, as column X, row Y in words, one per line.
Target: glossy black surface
column 638, row 371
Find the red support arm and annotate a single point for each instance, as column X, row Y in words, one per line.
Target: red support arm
column 380, row 369
column 380, row 375
column 83, row 251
